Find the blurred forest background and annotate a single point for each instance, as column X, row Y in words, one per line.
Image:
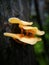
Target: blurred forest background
column 28, row 10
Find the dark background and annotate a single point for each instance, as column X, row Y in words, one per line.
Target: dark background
column 13, row 53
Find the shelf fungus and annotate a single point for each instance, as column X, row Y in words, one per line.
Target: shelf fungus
column 15, row 20
column 30, row 32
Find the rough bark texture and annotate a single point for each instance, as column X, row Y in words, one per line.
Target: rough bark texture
column 13, row 53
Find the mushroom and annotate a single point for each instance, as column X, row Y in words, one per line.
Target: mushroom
column 15, row 36
column 23, row 25
column 22, row 38
column 15, row 20
column 33, row 30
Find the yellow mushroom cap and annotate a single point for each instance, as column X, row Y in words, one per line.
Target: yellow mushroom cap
column 38, row 32
column 33, row 30
column 22, row 38
column 15, row 20
column 26, row 23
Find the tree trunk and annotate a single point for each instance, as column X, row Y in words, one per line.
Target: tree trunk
column 14, row 53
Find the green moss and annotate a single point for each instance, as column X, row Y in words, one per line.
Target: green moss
column 39, row 47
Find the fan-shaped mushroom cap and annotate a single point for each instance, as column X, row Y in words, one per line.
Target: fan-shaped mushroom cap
column 40, row 32
column 15, row 20
column 33, row 30
column 28, row 27
column 22, row 38
column 26, row 23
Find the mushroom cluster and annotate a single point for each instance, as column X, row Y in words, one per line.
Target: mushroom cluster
column 30, row 32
